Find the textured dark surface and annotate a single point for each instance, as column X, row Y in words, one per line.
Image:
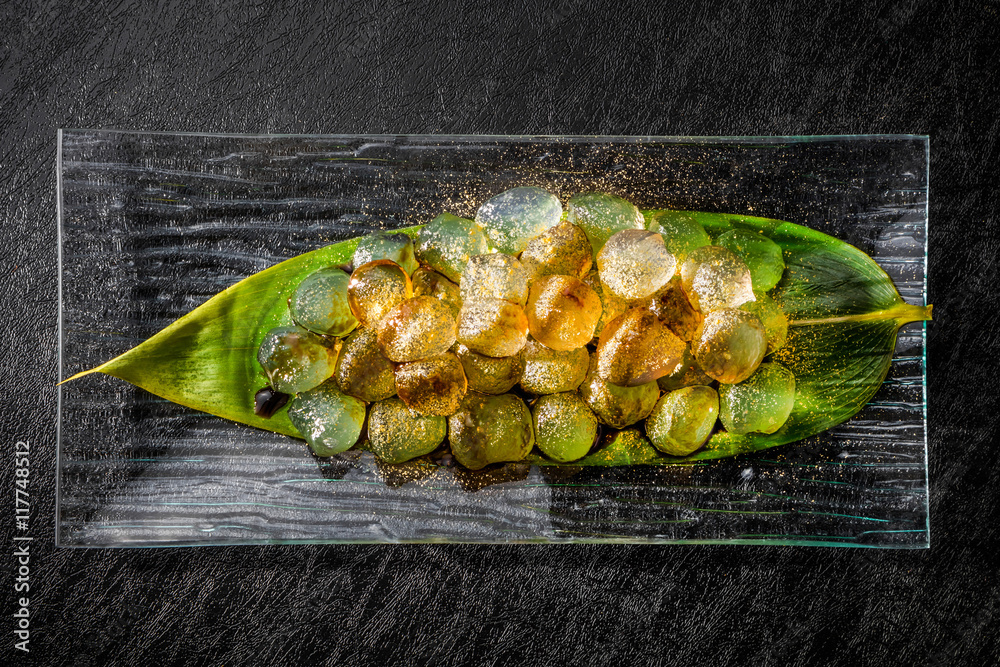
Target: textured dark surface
column 694, row 68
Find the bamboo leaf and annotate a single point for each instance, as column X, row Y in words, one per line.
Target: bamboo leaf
column 844, row 314
column 843, row 309
column 206, row 360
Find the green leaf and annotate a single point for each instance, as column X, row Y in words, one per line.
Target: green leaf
column 844, row 314
column 206, row 360
column 843, row 309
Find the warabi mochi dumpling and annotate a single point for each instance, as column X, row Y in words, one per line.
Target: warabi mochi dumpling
column 714, row 278
column 433, row 385
column 295, row 359
column 362, row 370
column 394, row 246
column 615, row 405
column 495, row 276
column 548, row 371
column 602, row 215
column 562, row 250
column 490, row 429
column 489, row 375
column 637, row 348
column 730, row 345
column 634, row 264
column 565, row 428
column 514, row 217
column 419, row 327
column 327, row 418
column 428, row 282
column 493, row 327
column 446, row 243
column 320, row 303
column 376, row 288
column 762, row 403
column 682, row 420
column 562, row 312
column 397, row 434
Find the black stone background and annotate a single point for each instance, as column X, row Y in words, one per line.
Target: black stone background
column 686, row 68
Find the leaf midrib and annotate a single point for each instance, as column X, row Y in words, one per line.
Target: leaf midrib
column 903, row 313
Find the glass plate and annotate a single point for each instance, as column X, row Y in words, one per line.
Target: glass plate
column 152, row 225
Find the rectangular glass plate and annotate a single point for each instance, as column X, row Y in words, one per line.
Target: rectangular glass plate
column 153, row 225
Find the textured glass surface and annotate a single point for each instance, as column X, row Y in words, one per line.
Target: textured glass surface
column 152, row 225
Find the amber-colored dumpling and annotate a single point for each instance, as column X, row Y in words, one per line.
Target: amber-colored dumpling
column 417, row 328
column 493, row 327
column 562, row 312
column 637, row 348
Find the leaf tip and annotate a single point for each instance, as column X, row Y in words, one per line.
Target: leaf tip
column 80, row 375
